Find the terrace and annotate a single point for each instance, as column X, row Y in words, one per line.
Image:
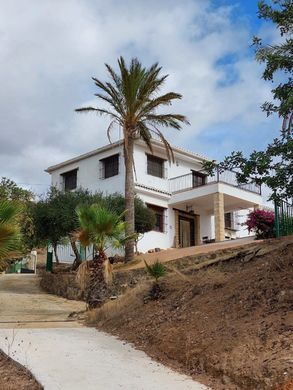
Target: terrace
column 193, row 180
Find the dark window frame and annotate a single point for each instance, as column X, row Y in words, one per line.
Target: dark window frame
column 160, row 217
column 198, row 179
column 110, row 166
column 155, row 166
column 70, row 179
column 229, row 221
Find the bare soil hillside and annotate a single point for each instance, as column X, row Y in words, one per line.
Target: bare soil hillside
column 13, row 376
column 230, row 321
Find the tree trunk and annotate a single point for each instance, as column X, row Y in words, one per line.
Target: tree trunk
column 97, row 290
column 129, row 199
column 55, row 253
column 77, row 260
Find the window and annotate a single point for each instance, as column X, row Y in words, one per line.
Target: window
column 198, row 179
column 160, row 214
column 70, row 180
column 229, row 221
column 155, row 166
column 109, row 166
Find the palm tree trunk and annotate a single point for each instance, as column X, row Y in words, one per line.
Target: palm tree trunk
column 77, row 260
column 129, row 198
column 98, row 287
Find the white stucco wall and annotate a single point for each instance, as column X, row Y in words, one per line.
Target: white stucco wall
column 182, row 165
column 88, row 174
column 155, row 239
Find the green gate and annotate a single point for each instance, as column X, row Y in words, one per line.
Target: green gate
column 283, row 218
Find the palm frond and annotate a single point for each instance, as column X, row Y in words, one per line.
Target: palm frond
column 156, row 270
column 109, row 130
column 9, row 228
column 168, row 147
column 145, row 134
column 133, row 96
column 163, row 100
column 100, row 227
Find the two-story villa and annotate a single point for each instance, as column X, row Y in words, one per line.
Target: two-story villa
column 190, row 207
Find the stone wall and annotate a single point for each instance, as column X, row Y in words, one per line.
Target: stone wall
column 62, row 284
column 65, row 285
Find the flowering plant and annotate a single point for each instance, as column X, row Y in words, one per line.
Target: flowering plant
column 261, row 222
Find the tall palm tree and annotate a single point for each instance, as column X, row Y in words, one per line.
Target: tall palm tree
column 9, row 230
column 102, row 229
column 132, row 98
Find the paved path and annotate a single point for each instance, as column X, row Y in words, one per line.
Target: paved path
column 22, row 303
column 65, row 355
column 178, row 253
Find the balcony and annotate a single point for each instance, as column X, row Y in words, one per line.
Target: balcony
column 190, row 181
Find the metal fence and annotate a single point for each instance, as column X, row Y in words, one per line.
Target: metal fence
column 186, row 182
column 283, row 218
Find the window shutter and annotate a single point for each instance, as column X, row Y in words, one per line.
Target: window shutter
column 101, row 170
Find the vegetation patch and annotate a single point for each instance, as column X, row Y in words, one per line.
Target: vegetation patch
column 13, row 376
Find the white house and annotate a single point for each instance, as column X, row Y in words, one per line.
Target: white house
column 191, row 208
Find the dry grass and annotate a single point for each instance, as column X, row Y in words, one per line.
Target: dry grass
column 181, row 275
column 114, row 310
column 211, row 276
column 82, row 275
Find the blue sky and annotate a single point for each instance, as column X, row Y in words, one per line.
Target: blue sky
column 50, row 50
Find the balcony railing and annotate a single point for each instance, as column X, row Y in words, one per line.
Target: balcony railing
column 188, row 182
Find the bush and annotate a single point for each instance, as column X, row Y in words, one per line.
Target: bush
column 261, row 222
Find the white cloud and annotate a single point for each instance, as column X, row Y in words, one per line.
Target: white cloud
column 50, row 49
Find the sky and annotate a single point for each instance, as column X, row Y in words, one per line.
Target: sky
column 50, row 49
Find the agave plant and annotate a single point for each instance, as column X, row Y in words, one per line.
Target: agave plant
column 9, row 230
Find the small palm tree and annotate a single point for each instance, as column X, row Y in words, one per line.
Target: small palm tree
column 9, row 230
column 156, row 270
column 133, row 100
column 102, row 229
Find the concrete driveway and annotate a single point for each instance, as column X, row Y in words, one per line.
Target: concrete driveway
column 62, row 354
column 23, row 303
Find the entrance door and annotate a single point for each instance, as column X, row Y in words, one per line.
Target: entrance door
column 186, row 232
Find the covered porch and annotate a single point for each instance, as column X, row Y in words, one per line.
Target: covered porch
column 200, row 212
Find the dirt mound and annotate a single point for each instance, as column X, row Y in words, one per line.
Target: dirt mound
column 13, row 376
column 231, row 321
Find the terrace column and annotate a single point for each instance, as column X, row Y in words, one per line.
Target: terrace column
column 219, row 216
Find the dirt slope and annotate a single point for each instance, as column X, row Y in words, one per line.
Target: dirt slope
column 231, row 321
column 13, row 376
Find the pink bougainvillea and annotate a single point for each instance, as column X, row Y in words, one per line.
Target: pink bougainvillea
column 261, row 222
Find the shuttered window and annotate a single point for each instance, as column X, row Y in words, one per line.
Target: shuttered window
column 155, row 166
column 70, row 180
column 110, row 166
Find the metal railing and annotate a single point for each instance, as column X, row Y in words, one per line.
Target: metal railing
column 188, row 182
column 283, row 218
